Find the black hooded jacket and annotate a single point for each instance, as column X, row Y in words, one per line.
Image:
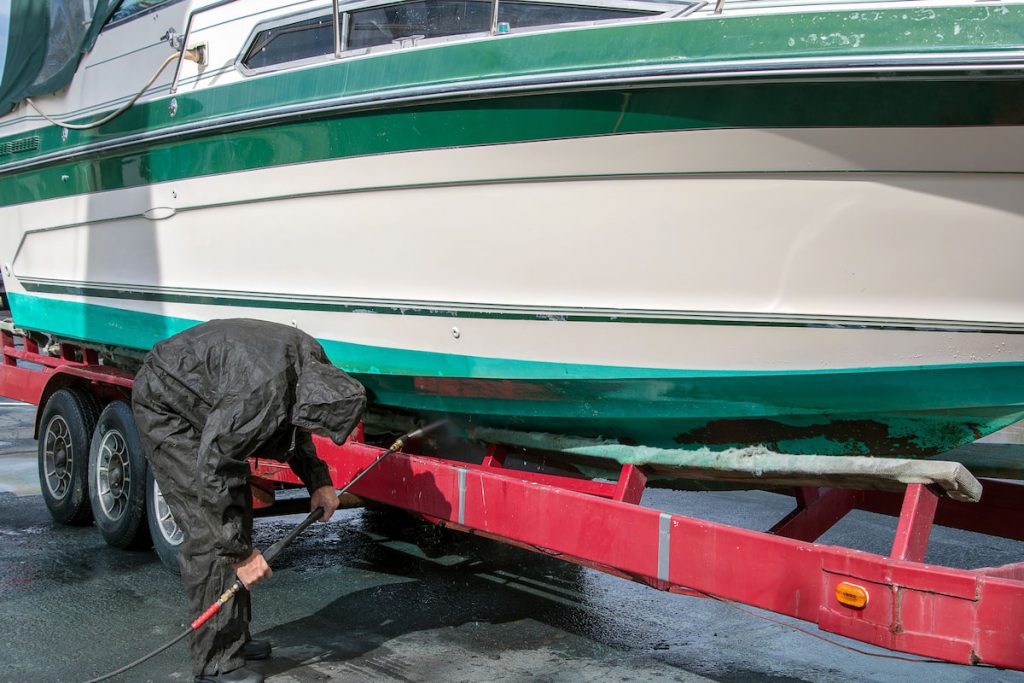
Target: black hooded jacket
column 244, row 388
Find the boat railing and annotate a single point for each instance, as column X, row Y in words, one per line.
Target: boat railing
column 188, row 32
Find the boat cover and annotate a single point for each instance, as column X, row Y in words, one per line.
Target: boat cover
column 45, row 39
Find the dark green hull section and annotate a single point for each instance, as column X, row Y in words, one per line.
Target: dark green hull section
column 913, row 412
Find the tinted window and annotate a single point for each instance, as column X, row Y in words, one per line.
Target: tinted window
column 427, row 18
column 310, row 38
column 130, row 8
column 522, row 14
column 424, row 18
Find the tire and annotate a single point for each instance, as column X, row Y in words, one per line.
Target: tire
column 163, row 530
column 65, row 429
column 117, row 479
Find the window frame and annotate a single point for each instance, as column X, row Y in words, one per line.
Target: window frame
column 654, row 11
column 141, row 13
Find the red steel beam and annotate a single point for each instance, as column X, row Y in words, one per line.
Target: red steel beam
column 23, row 384
column 630, row 488
column 817, row 511
column 915, row 525
column 957, row 615
column 997, row 514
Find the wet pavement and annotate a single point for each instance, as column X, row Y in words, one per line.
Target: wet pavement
column 373, row 597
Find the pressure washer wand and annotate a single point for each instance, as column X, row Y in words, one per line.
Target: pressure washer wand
column 274, row 550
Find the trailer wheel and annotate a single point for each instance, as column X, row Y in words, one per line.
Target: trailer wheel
column 167, row 535
column 117, row 479
column 67, row 423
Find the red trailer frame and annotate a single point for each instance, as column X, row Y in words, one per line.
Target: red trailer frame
column 965, row 616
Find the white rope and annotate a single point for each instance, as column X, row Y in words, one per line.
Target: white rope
column 114, row 114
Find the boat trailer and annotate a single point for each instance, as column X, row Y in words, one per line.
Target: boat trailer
column 895, row 601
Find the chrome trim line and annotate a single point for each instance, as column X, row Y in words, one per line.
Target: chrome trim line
column 554, row 312
column 655, row 7
column 494, row 17
column 701, row 73
column 336, row 26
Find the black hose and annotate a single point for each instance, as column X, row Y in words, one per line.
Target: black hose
column 140, row 660
column 273, row 551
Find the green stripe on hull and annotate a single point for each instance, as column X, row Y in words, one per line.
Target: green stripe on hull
column 533, row 118
column 863, row 33
column 901, row 101
column 902, row 411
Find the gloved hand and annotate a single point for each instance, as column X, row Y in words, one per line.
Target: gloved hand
column 326, row 498
column 253, row 569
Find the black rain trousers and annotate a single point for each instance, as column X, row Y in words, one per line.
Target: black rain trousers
column 206, row 400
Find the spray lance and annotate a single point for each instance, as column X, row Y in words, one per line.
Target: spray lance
column 272, row 552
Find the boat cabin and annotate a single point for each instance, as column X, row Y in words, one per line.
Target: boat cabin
column 361, row 27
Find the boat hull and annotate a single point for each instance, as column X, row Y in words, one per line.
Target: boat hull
column 642, row 250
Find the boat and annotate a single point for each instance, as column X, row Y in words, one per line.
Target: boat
column 668, row 224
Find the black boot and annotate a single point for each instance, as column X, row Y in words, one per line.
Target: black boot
column 256, row 649
column 241, row 675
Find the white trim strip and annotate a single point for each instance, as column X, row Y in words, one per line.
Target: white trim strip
column 462, row 495
column 664, row 545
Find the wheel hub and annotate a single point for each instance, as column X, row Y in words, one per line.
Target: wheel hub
column 113, row 475
column 58, row 457
column 169, row 529
column 116, row 477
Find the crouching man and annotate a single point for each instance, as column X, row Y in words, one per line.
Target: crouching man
column 205, row 401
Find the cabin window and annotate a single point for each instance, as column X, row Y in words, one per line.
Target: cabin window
column 129, row 8
column 437, row 18
column 426, row 18
column 302, row 40
column 423, row 19
column 524, row 14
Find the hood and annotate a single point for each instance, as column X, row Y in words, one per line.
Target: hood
column 328, row 402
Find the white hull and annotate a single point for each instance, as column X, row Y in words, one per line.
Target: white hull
column 662, row 225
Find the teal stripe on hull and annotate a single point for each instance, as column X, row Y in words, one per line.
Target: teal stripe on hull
column 912, row 411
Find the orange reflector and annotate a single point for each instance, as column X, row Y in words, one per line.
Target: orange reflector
column 851, row 595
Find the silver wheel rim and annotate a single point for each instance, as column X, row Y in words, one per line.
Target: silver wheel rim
column 58, row 457
column 113, row 475
column 164, row 519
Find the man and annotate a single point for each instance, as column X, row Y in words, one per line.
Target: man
column 206, row 400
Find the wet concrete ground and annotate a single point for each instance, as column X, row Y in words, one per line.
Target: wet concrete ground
column 369, row 597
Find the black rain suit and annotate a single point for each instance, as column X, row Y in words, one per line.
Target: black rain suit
column 204, row 401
